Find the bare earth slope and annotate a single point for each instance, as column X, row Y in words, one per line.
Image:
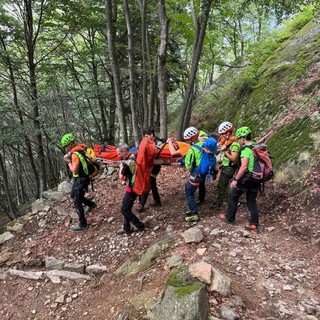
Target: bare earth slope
column 276, row 274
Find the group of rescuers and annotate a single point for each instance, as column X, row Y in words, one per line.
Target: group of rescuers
column 235, row 162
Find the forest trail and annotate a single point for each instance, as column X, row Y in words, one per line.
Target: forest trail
column 274, row 275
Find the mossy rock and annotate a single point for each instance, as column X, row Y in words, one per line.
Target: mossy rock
column 184, row 298
column 183, row 282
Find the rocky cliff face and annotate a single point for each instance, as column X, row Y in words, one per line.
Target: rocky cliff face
column 277, row 95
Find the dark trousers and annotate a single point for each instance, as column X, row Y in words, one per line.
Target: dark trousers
column 202, row 191
column 223, row 188
column 126, row 210
column 154, row 188
column 191, row 201
column 79, row 188
column 251, row 195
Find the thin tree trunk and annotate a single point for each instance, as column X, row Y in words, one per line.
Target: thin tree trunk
column 146, row 114
column 241, row 38
column 101, row 124
column 12, row 208
column 234, row 41
column 31, row 40
column 162, row 58
column 115, row 71
column 212, row 65
column 200, row 29
column 112, row 117
column 133, row 100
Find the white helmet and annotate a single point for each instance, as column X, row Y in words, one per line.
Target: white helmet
column 190, row 133
column 225, row 126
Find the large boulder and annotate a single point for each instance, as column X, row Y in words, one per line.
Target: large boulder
column 53, row 195
column 185, row 298
column 146, row 259
column 41, row 205
column 65, row 187
column 5, row 237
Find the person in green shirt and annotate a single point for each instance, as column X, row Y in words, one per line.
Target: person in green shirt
column 192, row 160
column 241, row 183
column 230, row 150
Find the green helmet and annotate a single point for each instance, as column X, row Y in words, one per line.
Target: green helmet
column 67, row 139
column 203, row 134
column 242, row 132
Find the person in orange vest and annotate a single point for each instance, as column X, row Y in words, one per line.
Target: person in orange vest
column 230, row 150
column 77, row 165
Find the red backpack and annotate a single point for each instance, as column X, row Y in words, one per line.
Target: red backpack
column 262, row 168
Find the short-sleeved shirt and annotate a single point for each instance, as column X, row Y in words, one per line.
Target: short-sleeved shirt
column 247, row 153
column 181, row 146
column 235, row 147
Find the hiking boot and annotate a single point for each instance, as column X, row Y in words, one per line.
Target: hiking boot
column 188, row 213
column 90, row 208
column 140, row 208
column 78, row 228
column 216, row 205
column 199, row 202
column 138, row 229
column 155, row 204
column 192, row 218
column 122, row 231
column 252, row 227
column 224, row 219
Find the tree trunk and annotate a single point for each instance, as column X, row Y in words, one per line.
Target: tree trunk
column 162, row 58
column 112, row 117
column 31, row 40
column 12, row 208
column 146, row 114
column 200, row 29
column 115, row 71
column 212, row 65
column 133, row 89
column 234, row 40
column 241, row 37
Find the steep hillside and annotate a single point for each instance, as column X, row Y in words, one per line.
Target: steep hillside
column 277, row 95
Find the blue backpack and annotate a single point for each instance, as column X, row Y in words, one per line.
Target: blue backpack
column 208, row 159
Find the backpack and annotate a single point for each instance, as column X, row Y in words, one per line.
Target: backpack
column 262, row 167
column 208, row 159
column 88, row 160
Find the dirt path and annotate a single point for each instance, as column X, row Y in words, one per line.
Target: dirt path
column 274, row 276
